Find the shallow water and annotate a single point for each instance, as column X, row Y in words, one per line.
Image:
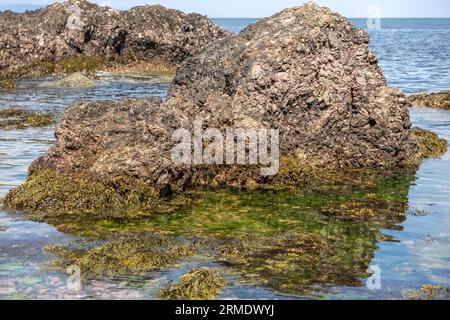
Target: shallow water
column 410, row 252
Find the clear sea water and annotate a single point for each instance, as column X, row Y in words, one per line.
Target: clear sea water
column 414, row 55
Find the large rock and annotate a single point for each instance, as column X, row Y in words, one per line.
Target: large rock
column 37, row 41
column 308, row 72
column 305, row 71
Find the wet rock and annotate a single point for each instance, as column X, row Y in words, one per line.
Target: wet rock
column 439, row 100
column 309, row 73
column 77, row 79
column 77, row 34
column 121, row 138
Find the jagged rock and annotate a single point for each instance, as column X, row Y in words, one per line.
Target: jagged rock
column 77, row 35
column 308, row 72
column 122, row 138
column 439, row 100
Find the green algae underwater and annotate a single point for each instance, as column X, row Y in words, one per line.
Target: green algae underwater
column 289, row 242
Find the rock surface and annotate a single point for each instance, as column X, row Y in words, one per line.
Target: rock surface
column 36, row 41
column 308, row 72
column 123, row 138
column 439, row 100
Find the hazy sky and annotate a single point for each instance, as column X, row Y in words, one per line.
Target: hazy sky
column 262, row 8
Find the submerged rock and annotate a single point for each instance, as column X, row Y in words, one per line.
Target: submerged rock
column 439, row 100
column 77, row 79
column 77, row 35
column 12, row 118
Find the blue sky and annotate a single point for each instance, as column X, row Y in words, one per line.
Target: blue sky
column 262, row 8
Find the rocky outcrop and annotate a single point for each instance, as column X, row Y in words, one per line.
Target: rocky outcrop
column 77, row 35
column 439, row 100
column 308, row 72
column 305, row 71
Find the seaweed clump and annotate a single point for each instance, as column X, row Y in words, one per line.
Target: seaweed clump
column 197, row 284
column 6, row 84
column 428, row 292
column 128, row 254
column 430, row 145
column 11, row 118
column 75, row 64
column 439, row 100
column 51, row 191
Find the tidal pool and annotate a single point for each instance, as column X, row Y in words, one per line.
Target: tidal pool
column 281, row 245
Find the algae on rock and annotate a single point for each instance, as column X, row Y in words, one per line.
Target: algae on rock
column 49, row 191
column 7, row 84
column 428, row 292
column 12, row 118
column 430, row 145
column 439, row 100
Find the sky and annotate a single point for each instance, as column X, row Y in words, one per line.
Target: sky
column 263, row 8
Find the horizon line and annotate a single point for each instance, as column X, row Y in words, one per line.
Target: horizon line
column 37, row 7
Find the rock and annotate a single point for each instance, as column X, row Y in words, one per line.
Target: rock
column 77, row 79
column 76, row 35
column 129, row 137
column 439, row 100
column 309, row 73
column 305, row 71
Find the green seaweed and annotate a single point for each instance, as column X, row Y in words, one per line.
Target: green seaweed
column 197, row 284
column 120, row 64
column 50, row 191
column 283, row 241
